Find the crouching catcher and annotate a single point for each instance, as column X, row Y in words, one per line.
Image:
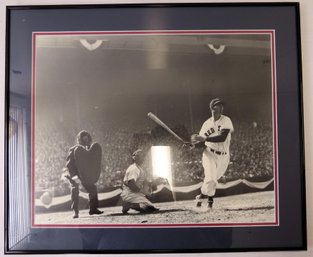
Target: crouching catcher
column 136, row 187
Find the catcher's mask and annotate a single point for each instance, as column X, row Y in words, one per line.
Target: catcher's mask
column 84, row 138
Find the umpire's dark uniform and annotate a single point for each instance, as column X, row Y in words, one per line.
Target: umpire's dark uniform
column 90, row 188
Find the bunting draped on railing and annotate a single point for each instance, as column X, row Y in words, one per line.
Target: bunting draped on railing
column 258, row 185
column 183, row 189
column 66, row 198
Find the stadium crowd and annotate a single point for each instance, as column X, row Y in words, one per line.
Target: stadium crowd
column 251, row 154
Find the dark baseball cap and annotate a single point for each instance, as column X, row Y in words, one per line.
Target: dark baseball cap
column 136, row 152
column 214, row 102
column 82, row 134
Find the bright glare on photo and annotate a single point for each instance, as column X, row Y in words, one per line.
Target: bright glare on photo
column 161, row 162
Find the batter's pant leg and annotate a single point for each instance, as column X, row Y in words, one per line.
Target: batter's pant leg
column 209, row 163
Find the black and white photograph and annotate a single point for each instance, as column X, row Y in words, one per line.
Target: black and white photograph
column 154, row 129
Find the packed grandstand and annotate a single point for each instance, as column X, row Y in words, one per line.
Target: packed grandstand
column 251, row 154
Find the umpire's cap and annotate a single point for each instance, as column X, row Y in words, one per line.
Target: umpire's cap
column 215, row 101
column 80, row 136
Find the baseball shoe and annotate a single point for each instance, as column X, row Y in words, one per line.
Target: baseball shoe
column 199, row 199
column 199, row 203
column 96, row 211
column 150, row 209
column 210, row 202
column 125, row 207
column 75, row 215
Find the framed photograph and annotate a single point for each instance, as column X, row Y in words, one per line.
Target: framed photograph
column 154, row 127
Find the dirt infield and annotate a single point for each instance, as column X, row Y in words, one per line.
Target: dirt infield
column 245, row 209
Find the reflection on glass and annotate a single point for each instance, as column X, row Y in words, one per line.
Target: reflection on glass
column 161, row 162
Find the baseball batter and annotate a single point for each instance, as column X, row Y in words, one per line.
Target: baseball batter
column 216, row 134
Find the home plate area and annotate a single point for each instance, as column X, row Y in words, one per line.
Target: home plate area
column 244, row 209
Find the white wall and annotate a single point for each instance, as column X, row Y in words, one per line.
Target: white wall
column 307, row 58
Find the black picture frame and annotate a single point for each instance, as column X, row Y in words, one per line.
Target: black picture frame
column 279, row 22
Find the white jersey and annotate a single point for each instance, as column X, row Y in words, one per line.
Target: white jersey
column 211, row 128
column 136, row 173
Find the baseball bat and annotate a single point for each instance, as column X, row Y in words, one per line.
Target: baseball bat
column 163, row 125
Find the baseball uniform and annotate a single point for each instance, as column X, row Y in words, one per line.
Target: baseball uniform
column 215, row 158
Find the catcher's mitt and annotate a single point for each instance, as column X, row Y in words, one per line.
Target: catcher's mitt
column 147, row 188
